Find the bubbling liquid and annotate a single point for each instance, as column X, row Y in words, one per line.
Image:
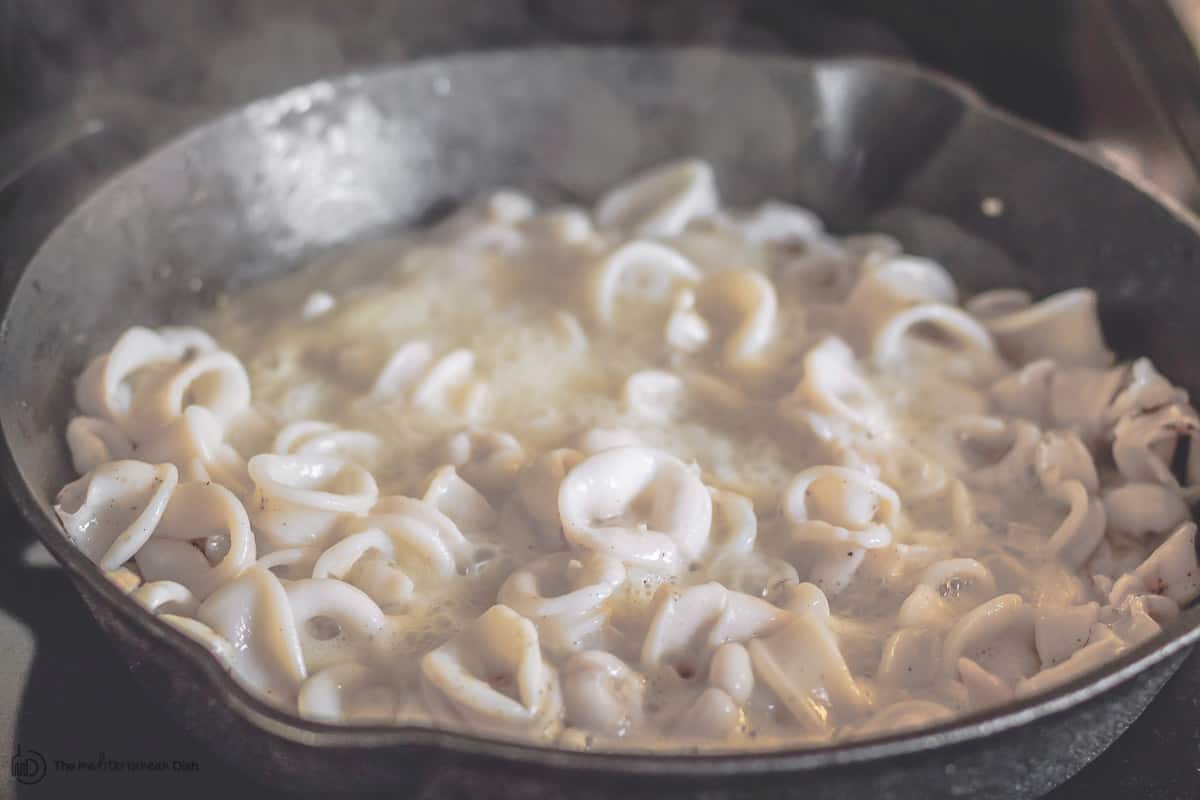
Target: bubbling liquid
column 662, row 475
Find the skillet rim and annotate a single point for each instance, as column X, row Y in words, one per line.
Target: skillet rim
column 375, row 740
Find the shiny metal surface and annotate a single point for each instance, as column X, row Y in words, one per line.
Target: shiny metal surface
column 866, row 144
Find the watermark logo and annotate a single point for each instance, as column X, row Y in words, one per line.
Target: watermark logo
column 28, row 766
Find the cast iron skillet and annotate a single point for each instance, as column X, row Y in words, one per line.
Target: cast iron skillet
column 868, row 145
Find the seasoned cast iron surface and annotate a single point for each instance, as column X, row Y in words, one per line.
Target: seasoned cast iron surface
column 866, row 145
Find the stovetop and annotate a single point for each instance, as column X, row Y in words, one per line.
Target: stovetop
column 65, row 696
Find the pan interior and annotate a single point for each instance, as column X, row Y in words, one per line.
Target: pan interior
column 865, row 145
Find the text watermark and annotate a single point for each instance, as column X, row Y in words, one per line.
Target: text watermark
column 29, row 766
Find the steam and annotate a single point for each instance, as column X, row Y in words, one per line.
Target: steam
column 221, row 52
column 149, row 69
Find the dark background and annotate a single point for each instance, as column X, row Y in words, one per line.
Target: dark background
column 153, row 67
column 217, row 51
